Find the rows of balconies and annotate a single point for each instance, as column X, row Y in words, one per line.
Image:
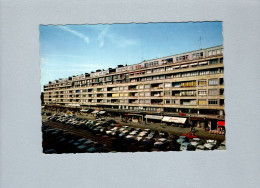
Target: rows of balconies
column 179, row 83
column 161, row 72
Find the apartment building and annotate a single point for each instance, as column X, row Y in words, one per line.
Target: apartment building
column 189, row 85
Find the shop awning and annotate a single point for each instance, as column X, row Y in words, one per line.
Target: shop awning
column 175, row 67
column 174, row 119
column 131, row 73
column 183, row 66
column 102, row 112
column 84, row 111
column 193, row 64
column 95, row 112
column 221, row 123
column 153, row 117
column 134, row 115
column 203, row 63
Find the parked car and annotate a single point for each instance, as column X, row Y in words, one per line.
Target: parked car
column 161, row 142
column 200, row 148
column 195, row 142
column 96, row 148
column 86, row 145
column 80, row 141
column 50, row 151
column 189, row 135
column 186, row 146
column 209, row 146
column 181, row 139
column 163, row 134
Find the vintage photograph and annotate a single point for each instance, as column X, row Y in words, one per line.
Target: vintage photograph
column 133, row 87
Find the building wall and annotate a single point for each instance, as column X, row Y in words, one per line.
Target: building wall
column 192, row 81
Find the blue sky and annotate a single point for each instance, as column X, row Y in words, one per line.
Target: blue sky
column 68, row 50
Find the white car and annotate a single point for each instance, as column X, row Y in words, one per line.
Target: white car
column 139, row 138
column 209, row 146
column 195, row 142
column 108, row 132
column 200, row 148
column 214, row 142
column 185, row 146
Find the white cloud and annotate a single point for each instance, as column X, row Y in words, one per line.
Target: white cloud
column 120, row 41
column 76, row 33
column 101, row 36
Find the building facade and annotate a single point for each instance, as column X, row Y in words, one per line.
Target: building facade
column 187, row 85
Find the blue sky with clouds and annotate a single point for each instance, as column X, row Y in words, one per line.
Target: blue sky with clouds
column 68, row 50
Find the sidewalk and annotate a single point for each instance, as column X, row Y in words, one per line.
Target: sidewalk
column 157, row 126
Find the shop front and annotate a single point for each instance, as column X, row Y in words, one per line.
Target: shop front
column 153, row 119
column 175, row 121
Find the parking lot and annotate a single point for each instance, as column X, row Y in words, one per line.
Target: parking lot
column 63, row 133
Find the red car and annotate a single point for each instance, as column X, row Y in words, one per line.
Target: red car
column 190, row 135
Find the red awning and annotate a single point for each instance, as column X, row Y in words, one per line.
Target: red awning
column 221, row 123
column 131, row 73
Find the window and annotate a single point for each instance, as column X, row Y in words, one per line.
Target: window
column 147, row 101
column 147, row 94
column 202, row 82
column 213, row 62
column 213, row 92
column 141, row 94
column 149, row 78
column 167, row 93
column 167, row 84
column 156, row 77
column 168, row 76
column 215, row 71
column 195, row 73
column 202, row 92
column 167, row 101
column 175, row 101
column 161, row 69
column 147, row 86
column 177, row 75
column 143, row 79
column 162, row 77
column 149, row 71
column 185, row 74
column 202, row 102
column 213, row 102
column 203, row 72
column 213, row 82
column 141, row 101
column 141, row 86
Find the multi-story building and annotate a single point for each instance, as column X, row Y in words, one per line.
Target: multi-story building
column 189, row 85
